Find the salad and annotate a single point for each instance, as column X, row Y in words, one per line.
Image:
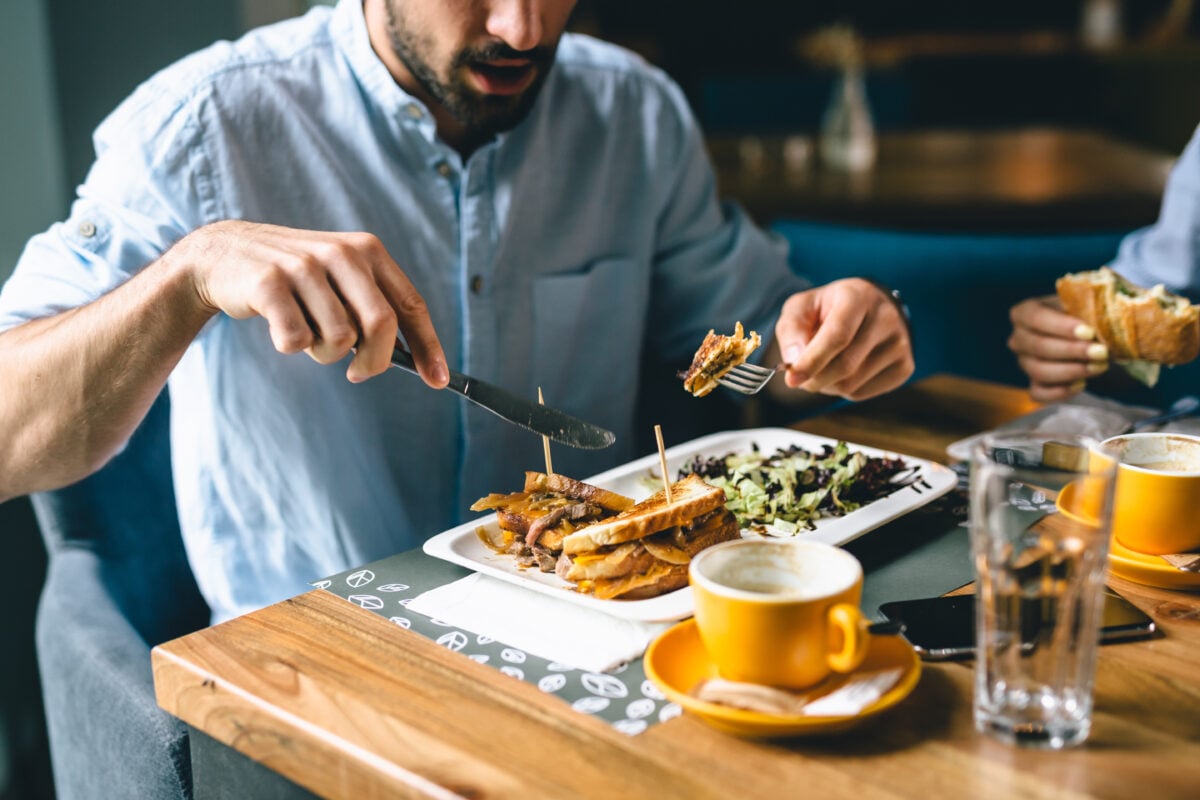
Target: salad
column 788, row 491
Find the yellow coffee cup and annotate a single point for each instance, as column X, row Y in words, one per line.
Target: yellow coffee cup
column 780, row 613
column 1156, row 506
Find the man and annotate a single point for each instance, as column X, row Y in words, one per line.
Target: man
column 1060, row 353
column 526, row 206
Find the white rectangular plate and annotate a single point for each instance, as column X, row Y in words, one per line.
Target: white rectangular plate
column 461, row 545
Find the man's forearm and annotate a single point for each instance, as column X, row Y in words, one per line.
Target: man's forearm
column 77, row 384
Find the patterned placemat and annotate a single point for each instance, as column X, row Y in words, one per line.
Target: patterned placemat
column 923, row 554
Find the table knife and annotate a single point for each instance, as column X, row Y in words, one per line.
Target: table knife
column 540, row 419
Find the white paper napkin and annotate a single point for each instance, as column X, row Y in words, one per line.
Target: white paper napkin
column 538, row 623
column 859, row 691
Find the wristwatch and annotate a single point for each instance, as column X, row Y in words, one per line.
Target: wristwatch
column 895, row 297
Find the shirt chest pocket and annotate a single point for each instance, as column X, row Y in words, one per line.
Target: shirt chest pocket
column 588, row 328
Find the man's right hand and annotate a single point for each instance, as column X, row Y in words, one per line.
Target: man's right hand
column 1057, row 351
column 83, row 379
column 321, row 293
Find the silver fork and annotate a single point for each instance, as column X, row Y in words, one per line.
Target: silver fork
column 748, row 378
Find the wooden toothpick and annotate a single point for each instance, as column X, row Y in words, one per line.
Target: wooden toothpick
column 662, row 459
column 545, row 439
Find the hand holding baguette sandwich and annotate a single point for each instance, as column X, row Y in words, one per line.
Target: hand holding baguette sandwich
column 1062, row 340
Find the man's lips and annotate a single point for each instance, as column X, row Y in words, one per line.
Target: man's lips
column 503, row 76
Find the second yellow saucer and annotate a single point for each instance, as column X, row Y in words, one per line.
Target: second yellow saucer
column 1150, row 570
column 1134, row 566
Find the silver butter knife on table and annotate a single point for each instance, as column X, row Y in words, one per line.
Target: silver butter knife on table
column 544, row 420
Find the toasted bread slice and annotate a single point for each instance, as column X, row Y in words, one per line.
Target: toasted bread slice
column 660, row 579
column 561, row 484
column 650, row 566
column 1135, row 323
column 691, row 497
column 717, row 355
column 610, row 562
column 675, row 545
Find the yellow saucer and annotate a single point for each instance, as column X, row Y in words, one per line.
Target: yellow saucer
column 1150, row 570
column 676, row 661
column 1134, row 566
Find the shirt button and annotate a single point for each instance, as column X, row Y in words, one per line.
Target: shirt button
column 476, row 284
column 87, row 229
column 413, row 110
column 443, row 169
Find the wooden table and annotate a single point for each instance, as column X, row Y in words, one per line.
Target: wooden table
column 1015, row 181
column 340, row 701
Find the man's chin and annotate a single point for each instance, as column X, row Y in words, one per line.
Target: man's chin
column 488, row 115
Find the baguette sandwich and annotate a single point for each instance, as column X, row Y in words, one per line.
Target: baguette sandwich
column 717, row 355
column 1136, row 324
column 533, row 523
column 644, row 551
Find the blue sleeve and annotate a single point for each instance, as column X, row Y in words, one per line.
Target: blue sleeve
column 148, row 187
column 1168, row 252
column 713, row 266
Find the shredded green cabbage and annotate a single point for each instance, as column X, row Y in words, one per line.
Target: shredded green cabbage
column 786, row 492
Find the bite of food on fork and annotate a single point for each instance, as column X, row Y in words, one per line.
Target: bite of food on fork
column 717, row 357
column 849, row 338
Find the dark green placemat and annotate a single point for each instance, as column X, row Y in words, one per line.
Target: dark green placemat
column 624, row 697
column 922, row 554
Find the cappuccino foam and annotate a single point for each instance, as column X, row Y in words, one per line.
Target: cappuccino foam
column 1169, row 466
column 776, row 572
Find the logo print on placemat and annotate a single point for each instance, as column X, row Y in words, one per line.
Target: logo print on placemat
column 604, row 685
column 367, row 601
column 357, row 580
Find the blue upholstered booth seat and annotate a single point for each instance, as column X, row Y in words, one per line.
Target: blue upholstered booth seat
column 117, row 584
column 958, row 287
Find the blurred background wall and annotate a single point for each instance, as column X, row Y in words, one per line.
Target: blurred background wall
column 1127, row 70
column 1130, row 67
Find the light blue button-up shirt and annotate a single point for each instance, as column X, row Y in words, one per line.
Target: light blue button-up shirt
column 547, row 259
column 1168, row 252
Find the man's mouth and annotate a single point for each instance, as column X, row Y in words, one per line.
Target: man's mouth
column 502, row 76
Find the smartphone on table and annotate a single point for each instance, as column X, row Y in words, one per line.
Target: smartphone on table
column 941, row 628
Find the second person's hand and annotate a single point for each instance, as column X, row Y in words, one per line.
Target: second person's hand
column 1057, row 351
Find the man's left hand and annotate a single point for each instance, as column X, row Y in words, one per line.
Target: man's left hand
column 847, row 338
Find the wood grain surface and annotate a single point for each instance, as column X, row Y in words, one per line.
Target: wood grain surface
column 348, row 705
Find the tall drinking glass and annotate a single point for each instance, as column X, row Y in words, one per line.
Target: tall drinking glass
column 1041, row 513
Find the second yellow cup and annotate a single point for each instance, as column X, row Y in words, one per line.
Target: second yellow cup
column 1157, row 505
column 779, row 613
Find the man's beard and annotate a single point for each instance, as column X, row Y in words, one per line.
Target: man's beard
column 482, row 115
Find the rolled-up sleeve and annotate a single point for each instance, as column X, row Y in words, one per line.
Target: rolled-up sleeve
column 150, row 185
